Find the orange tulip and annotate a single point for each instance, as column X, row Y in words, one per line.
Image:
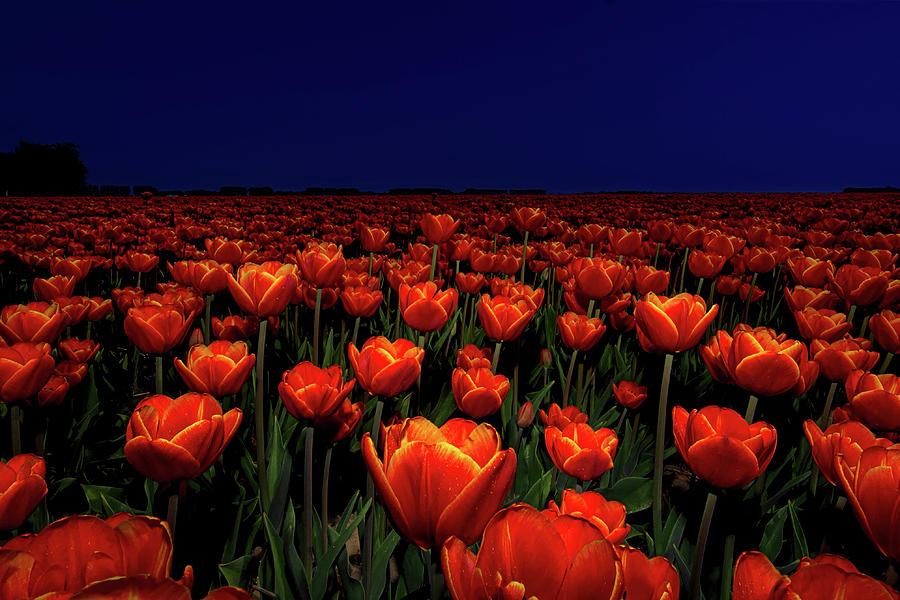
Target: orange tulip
column 524, row 554
column 220, row 369
column 234, row 327
column 598, row 277
column 263, row 290
column 629, row 394
column 837, row 359
column 146, row 588
column 24, row 369
column 478, row 392
column 859, row 285
column 720, row 447
column 341, row 423
column 22, row 487
column 579, row 451
column 157, row 329
column 826, row 577
column 309, row 392
column 223, row 251
column 502, row 319
column 209, row 276
column 359, row 301
column 672, row 324
column 473, row 357
column 874, row 399
column 322, row 264
column 440, row 482
column 74, row 552
column 885, row 327
column 648, row 578
column 33, row 322
column 171, row 439
column 424, row 307
column 386, row 368
column 705, row 264
column 438, row 228
column 824, row 324
column 578, row 332
column 526, row 218
column 373, row 239
column 470, row 283
column 562, row 417
column 846, row 439
column 606, row 515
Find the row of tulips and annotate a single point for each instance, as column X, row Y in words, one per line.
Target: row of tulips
column 241, row 270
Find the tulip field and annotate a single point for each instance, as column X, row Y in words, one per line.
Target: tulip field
column 595, row 396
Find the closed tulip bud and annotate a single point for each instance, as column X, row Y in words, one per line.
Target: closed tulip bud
column 592, row 233
column 720, row 447
column 624, row 242
column 606, row 515
column 53, row 392
column 172, row 439
column 478, row 392
column 263, row 290
column 424, row 307
column 502, row 319
column 33, row 322
column 669, row 325
column 22, row 487
column 705, row 264
column 546, row 357
column 223, row 250
column 629, row 394
column 525, row 416
column 137, row 262
column 885, row 327
column 79, row 350
column 341, row 423
column 874, row 399
column 824, row 324
column 386, row 368
column 157, row 329
column 579, row 451
column 838, row 359
column 440, row 482
column 98, row 308
column 827, row 576
column 309, row 392
column 72, row 371
column 73, row 266
column 799, row 297
column 810, row 272
column 24, row 369
column 578, row 332
column 220, row 369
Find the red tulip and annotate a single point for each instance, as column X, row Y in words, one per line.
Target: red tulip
column 440, row 482
column 72, row 266
column 54, row 391
column 705, row 264
column 562, row 417
column 527, row 219
column 220, row 369
column 48, row 290
column 22, row 487
column 846, row 439
column 309, row 392
column 33, row 322
column 629, row 394
column 874, row 399
column 79, row 350
column 360, row 301
column 860, row 286
column 824, row 324
column 810, row 272
column 263, row 290
column 223, row 251
column 672, row 324
column 606, row 515
column 157, row 329
column 24, row 369
column 720, row 447
column 886, row 329
column 373, row 239
column 386, row 368
column 438, row 228
column 478, row 392
column 524, row 554
column 837, row 359
column 424, row 307
column 648, row 578
column 321, row 264
column 579, row 451
column 473, row 357
column 624, row 242
column 578, row 332
column 234, row 327
column 799, row 297
column 826, row 577
column 598, row 277
column 503, row 319
column 209, row 276
column 171, row 439
column 647, row 279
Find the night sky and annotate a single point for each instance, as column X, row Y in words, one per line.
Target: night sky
column 665, row 95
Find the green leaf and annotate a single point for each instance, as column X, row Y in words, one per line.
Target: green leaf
column 380, row 559
column 773, row 534
column 319, row 582
column 801, row 549
column 276, row 549
column 236, row 572
column 537, row 494
column 636, row 493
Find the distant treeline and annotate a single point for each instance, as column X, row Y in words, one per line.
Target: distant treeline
column 888, row 189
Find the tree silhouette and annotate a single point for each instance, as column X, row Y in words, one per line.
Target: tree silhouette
column 42, row 170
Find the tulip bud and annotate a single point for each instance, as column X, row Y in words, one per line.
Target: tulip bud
column 196, row 337
column 546, row 357
column 525, row 415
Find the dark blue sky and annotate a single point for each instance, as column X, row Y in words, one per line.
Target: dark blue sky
column 666, row 95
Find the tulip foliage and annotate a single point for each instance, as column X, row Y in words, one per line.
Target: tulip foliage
column 311, row 397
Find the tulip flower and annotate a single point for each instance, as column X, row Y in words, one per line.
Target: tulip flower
column 263, row 290
column 146, row 588
column 885, row 327
column 847, row 439
column 502, row 319
column 33, row 322
column 321, row 264
column 74, row 552
column 799, row 297
column 579, row 451
column 157, row 329
column 647, row 279
column 79, row 350
column 859, row 286
column 579, row 332
column 72, row 371
column 171, row 439
column 629, row 394
column 309, row 392
column 386, row 368
column 373, row 239
column 473, row 357
column 528, row 219
column 470, row 283
column 424, row 307
column 49, row 289
column 359, row 301
column 220, row 369
column 138, row 262
column 648, row 578
column 438, row 228
column 209, row 276
column 825, row 324
column 341, row 423
column 234, row 327
column 53, row 392
column 827, row 576
column 598, row 277
column 478, row 392
column 720, row 447
column 98, row 308
column 24, row 369
column 837, row 359
column 874, row 399
column 562, row 417
column 672, row 324
column 223, row 251
column 872, row 485
column 72, row 266
column 22, row 487
column 524, row 554
column 607, row 515
column 810, row 272
column 440, row 482
column 705, row 264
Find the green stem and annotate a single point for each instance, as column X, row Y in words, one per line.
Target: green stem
column 884, row 364
column 434, row 257
column 569, row 378
column 315, row 348
column 850, row 315
column 658, row 453
column 656, row 256
column 434, row 574
column 172, row 511
column 634, row 428
column 751, row 409
column 307, row 502
column 496, row 359
column 700, row 550
column 727, row 567
column 326, row 475
column 524, row 254
column 749, row 298
column 825, row 417
column 355, row 330
column 207, row 318
column 370, row 493
column 159, row 374
column 700, row 286
column 862, row 329
column 260, row 416
column 15, row 429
